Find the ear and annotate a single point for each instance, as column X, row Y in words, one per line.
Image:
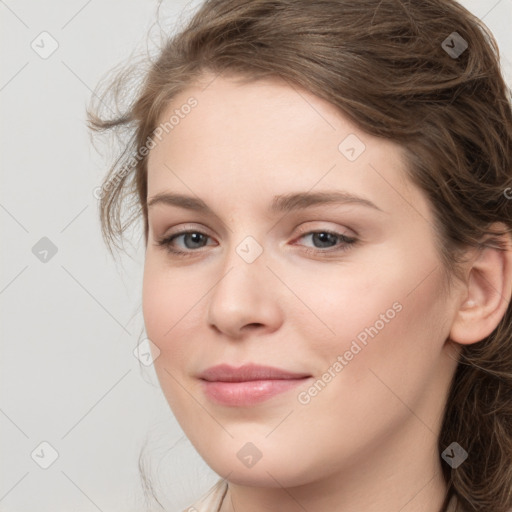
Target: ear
column 486, row 295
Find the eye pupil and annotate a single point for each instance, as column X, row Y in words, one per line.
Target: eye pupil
column 324, row 237
column 197, row 238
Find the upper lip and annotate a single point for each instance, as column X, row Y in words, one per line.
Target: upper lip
column 247, row 372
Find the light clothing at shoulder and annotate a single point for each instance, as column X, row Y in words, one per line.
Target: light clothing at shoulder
column 211, row 501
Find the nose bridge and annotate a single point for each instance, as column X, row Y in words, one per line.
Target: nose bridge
column 244, row 267
column 239, row 297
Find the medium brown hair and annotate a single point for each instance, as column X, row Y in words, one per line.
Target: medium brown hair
column 386, row 65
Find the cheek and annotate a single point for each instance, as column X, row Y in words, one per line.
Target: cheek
column 334, row 304
column 385, row 314
column 382, row 357
column 395, row 333
column 153, row 303
column 164, row 306
column 162, row 302
column 173, row 310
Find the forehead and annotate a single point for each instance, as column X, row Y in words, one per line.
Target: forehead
column 267, row 136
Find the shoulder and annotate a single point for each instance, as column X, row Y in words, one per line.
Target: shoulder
column 211, row 500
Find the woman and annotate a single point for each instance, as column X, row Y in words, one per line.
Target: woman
column 325, row 194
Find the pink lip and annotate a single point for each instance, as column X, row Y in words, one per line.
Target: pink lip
column 247, row 385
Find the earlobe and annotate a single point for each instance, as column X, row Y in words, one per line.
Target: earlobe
column 487, row 295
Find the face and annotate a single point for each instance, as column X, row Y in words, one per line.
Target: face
column 346, row 294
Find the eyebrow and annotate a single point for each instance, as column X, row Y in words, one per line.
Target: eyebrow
column 280, row 203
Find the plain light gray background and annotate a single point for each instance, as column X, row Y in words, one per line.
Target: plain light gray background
column 69, row 324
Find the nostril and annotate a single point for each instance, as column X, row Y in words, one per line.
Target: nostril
column 253, row 325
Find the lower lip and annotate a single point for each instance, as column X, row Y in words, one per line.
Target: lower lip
column 248, row 393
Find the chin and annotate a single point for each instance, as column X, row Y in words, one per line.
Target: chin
column 273, row 471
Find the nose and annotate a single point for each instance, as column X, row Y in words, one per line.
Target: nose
column 245, row 299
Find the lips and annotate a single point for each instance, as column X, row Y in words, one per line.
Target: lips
column 248, row 385
column 248, row 372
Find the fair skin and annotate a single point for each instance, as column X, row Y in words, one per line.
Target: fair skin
column 368, row 440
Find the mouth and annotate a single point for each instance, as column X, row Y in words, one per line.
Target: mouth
column 248, row 372
column 248, row 385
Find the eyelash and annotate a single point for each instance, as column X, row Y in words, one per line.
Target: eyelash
column 348, row 242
